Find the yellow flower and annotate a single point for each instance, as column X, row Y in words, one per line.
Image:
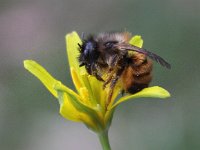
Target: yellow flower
column 88, row 104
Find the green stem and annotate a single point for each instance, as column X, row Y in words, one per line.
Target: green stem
column 103, row 137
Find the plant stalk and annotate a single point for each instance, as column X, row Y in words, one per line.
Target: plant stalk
column 103, row 138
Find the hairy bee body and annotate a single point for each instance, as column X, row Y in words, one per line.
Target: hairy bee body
column 138, row 74
column 108, row 58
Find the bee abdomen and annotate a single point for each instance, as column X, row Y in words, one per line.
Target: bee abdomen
column 136, row 88
column 138, row 75
column 139, row 83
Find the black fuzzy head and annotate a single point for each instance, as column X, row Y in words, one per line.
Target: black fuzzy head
column 89, row 54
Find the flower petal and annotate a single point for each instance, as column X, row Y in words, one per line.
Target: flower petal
column 96, row 90
column 72, row 41
column 67, row 110
column 84, row 112
column 37, row 70
column 154, row 92
column 85, row 96
column 70, row 112
column 88, row 83
column 136, row 41
column 75, row 78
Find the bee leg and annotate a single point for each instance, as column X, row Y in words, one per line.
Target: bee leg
column 117, row 76
column 109, row 97
column 122, row 92
column 113, row 83
column 112, row 64
column 112, row 86
column 98, row 76
column 110, row 72
column 107, row 81
column 112, row 61
column 95, row 72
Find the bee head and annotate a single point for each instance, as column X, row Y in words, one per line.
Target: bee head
column 88, row 53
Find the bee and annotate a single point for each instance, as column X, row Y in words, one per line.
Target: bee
column 110, row 58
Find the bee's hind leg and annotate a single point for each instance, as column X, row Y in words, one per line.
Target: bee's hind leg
column 108, row 80
column 116, row 78
column 113, row 83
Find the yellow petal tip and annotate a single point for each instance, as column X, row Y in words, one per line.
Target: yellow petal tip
column 71, row 34
column 27, row 62
column 160, row 92
column 151, row 92
column 136, row 41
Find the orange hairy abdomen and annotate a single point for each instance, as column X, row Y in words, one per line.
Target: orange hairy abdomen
column 137, row 75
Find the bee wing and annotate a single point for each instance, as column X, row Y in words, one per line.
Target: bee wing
column 153, row 56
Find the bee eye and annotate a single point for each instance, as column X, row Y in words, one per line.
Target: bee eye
column 110, row 44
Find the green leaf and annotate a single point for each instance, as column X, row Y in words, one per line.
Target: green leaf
column 42, row 74
column 154, row 92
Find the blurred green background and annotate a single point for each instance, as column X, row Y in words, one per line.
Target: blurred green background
column 29, row 118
